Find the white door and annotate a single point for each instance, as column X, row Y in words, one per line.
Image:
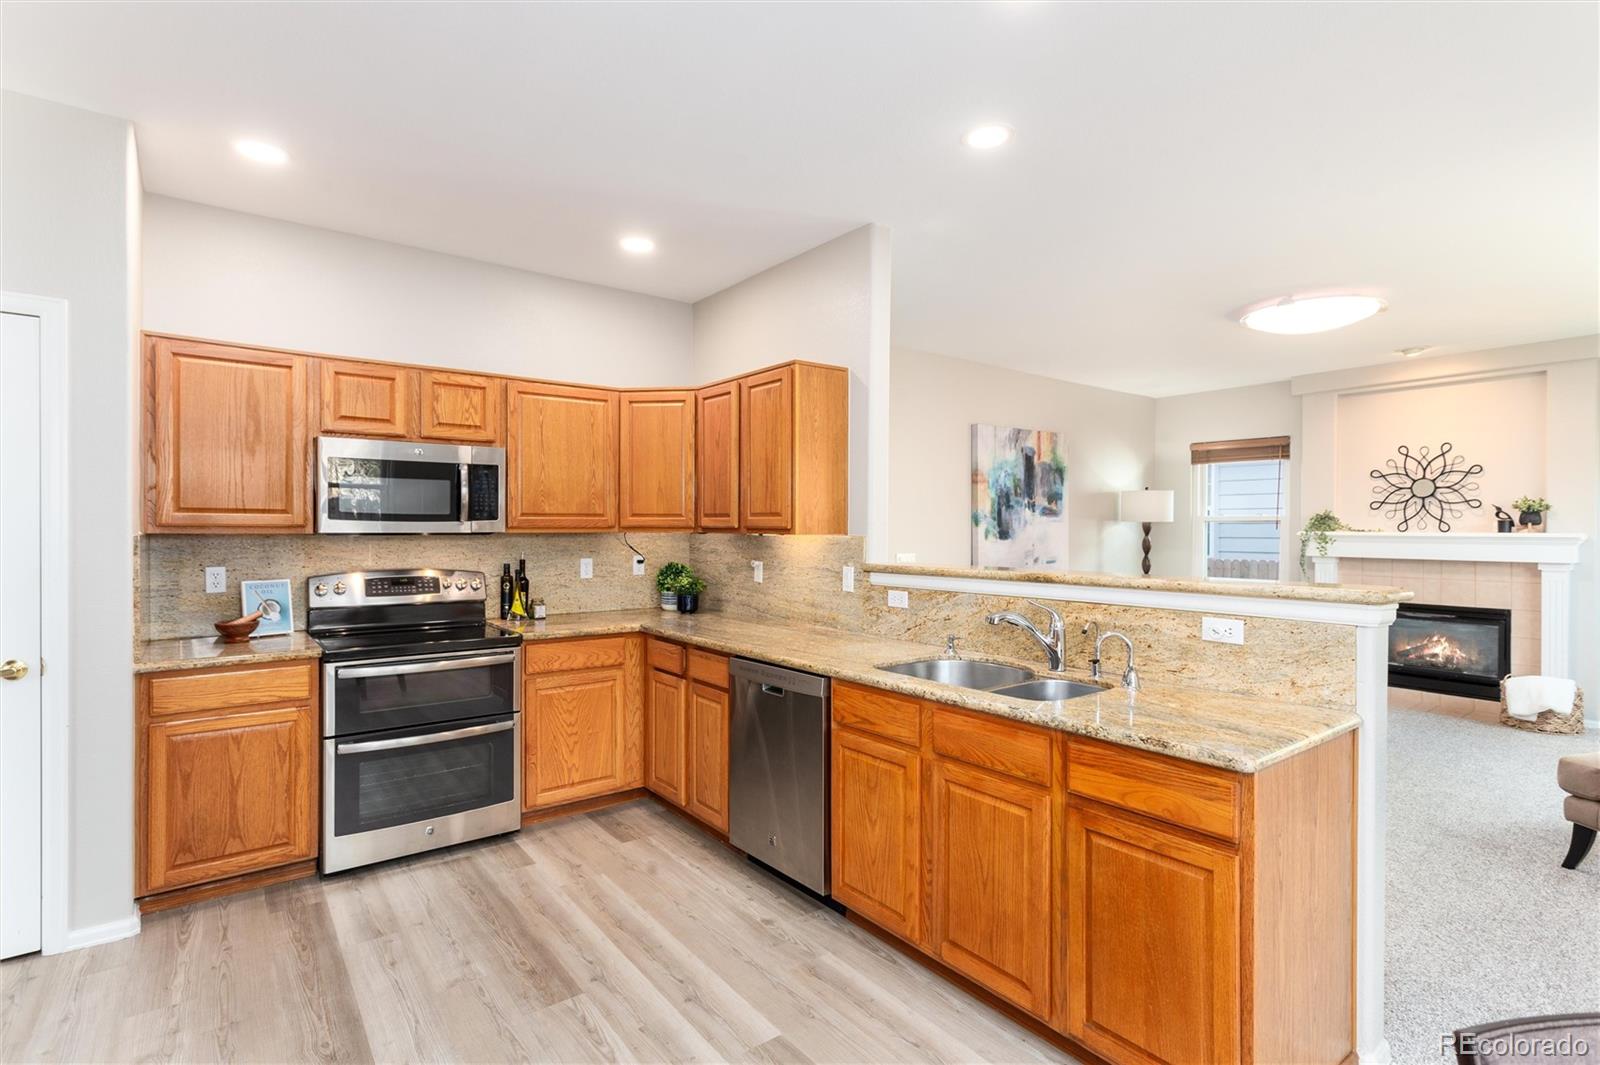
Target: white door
column 21, row 349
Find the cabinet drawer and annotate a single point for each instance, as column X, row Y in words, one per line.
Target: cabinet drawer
column 179, row 693
column 1200, row 797
column 561, row 655
column 708, row 668
column 894, row 717
column 1020, row 751
column 667, row 657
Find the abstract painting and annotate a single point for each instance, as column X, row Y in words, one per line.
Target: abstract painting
column 1019, row 498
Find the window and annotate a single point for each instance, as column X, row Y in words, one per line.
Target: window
column 1241, row 490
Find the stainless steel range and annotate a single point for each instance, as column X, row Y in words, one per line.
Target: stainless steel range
column 421, row 714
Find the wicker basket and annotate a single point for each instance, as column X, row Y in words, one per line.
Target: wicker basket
column 1548, row 720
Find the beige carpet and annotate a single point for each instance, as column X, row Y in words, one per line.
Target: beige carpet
column 1483, row 923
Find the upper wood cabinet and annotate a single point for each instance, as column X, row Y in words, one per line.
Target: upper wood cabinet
column 658, row 459
column 227, row 773
column 367, row 398
column 226, row 433
column 461, row 408
column 717, row 456
column 794, row 441
column 562, row 457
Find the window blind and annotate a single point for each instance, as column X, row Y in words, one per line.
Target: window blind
column 1257, row 450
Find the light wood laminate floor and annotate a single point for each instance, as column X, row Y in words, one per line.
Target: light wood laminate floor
column 620, row 935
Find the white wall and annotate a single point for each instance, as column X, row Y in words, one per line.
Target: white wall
column 827, row 305
column 70, row 217
column 1228, row 414
column 230, row 276
column 935, row 402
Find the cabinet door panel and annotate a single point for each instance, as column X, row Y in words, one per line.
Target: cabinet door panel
column 717, row 458
column 1152, row 941
column 575, row 736
column 226, row 432
column 664, row 761
column 461, row 407
column 228, row 795
column 877, row 831
column 562, row 456
column 657, row 475
column 766, row 438
column 708, row 755
column 367, row 398
column 991, row 881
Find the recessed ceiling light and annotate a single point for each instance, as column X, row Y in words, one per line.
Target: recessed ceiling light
column 261, row 152
column 1412, row 353
column 1310, row 314
column 636, row 245
column 986, row 138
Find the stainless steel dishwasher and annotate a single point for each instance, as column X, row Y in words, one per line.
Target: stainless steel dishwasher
column 778, row 770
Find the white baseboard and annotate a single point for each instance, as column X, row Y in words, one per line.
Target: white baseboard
column 1378, row 1055
column 94, row 935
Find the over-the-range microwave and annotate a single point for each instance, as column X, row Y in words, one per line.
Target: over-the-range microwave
column 397, row 486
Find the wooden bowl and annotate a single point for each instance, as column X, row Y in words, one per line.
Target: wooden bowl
column 239, row 629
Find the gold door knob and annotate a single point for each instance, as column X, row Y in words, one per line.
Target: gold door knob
column 11, row 669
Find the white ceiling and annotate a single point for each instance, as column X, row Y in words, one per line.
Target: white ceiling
column 1172, row 162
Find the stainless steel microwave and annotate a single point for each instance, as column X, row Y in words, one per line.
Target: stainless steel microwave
column 395, row 486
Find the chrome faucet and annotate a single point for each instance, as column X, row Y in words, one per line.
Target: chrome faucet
column 1130, row 677
column 1052, row 643
column 950, row 645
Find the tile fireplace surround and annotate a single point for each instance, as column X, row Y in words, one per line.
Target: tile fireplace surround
column 1528, row 573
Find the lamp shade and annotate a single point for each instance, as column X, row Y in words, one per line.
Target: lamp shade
column 1145, row 504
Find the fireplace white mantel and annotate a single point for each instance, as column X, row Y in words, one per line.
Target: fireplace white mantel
column 1556, row 554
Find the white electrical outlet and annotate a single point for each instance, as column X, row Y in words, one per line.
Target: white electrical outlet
column 1222, row 630
column 900, row 598
column 849, row 578
column 585, row 568
column 638, row 565
column 906, row 557
column 758, row 571
column 216, row 579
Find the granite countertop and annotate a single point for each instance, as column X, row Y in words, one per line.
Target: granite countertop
column 1310, row 593
column 201, row 652
column 1238, row 732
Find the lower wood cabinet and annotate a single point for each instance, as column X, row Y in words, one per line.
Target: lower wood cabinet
column 582, row 719
column 668, row 714
column 226, row 773
column 877, row 831
column 706, row 784
column 687, row 759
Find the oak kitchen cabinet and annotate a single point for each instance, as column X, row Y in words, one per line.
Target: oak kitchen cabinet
column 706, row 739
column 226, row 438
column 367, row 398
column 582, row 719
column 460, row 408
column 794, row 442
column 717, row 456
column 226, row 773
column 657, row 476
column 561, row 457
column 665, row 735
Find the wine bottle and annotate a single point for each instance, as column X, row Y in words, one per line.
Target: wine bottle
column 505, row 590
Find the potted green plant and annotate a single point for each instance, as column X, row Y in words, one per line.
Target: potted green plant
column 1318, row 526
column 668, row 580
column 1530, row 513
column 689, row 590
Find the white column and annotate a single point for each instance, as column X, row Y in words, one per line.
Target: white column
column 1324, row 570
column 1372, row 704
column 1555, row 619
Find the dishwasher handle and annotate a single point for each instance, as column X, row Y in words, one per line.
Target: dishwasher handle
column 773, row 689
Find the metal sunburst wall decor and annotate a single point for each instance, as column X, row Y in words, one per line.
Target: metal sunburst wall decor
column 1418, row 487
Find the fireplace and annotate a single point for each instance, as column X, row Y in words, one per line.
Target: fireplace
column 1456, row 650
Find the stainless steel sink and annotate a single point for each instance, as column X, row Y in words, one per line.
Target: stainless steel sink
column 1046, row 691
column 962, row 673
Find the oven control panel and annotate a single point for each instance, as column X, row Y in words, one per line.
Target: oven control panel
column 395, row 586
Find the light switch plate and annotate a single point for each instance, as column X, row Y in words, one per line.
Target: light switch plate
column 758, row 571
column 585, row 568
column 638, row 565
column 216, row 579
column 1222, row 630
column 899, row 597
column 849, row 580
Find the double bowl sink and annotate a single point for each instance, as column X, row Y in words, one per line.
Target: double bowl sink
column 994, row 678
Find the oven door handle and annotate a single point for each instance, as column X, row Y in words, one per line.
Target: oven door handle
column 441, row 666
column 425, row 739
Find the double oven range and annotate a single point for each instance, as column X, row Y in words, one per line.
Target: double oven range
column 421, row 715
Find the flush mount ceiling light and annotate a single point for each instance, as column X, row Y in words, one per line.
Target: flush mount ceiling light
column 637, row 245
column 261, row 152
column 1412, row 353
column 1293, row 315
column 987, row 138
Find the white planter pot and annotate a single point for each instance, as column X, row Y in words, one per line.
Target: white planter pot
column 669, row 601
